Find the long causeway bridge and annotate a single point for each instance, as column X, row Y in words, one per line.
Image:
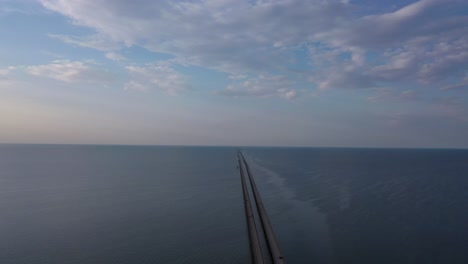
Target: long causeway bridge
column 274, row 253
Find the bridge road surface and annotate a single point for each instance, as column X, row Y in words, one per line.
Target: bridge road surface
column 276, row 255
column 255, row 248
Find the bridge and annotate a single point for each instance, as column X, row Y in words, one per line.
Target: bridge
column 274, row 254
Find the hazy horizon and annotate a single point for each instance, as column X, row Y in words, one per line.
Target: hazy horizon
column 228, row 146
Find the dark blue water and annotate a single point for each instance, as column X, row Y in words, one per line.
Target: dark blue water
column 120, row 204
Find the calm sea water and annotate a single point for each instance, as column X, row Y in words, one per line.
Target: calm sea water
column 122, row 204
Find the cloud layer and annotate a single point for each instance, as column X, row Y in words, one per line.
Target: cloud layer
column 263, row 86
column 70, row 72
column 156, row 76
column 424, row 43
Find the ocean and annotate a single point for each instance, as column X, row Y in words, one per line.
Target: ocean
column 146, row 204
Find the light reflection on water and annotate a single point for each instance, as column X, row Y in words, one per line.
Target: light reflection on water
column 307, row 232
column 366, row 206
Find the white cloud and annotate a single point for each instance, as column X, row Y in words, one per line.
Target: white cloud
column 421, row 43
column 262, row 86
column 23, row 7
column 400, row 65
column 346, row 80
column 115, row 56
column 156, row 76
column 448, row 65
column 70, row 72
column 237, row 76
column 462, row 84
column 6, row 76
column 97, row 41
column 234, row 36
column 420, row 19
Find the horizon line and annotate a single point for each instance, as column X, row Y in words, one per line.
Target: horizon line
column 232, row 146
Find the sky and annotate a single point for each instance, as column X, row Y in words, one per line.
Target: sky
column 319, row 73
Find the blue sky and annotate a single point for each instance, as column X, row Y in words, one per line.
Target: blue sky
column 334, row 73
